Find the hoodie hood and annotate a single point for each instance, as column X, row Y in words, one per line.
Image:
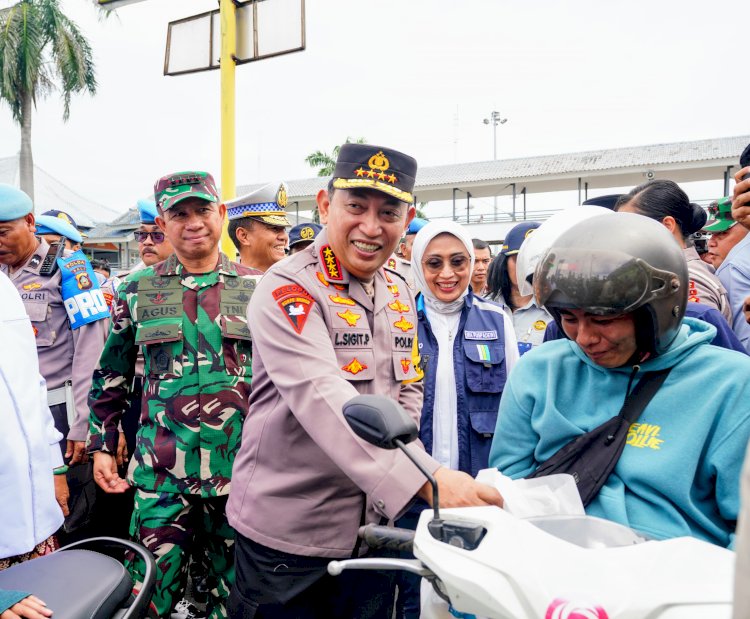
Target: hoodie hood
column 692, row 333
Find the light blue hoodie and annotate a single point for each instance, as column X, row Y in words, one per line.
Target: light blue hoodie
column 679, row 472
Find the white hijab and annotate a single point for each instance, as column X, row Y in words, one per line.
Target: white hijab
column 423, row 238
column 444, row 320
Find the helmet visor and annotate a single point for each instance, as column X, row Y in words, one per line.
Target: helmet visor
column 599, row 282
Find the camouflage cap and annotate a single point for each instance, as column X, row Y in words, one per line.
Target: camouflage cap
column 720, row 212
column 173, row 188
column 268, row 204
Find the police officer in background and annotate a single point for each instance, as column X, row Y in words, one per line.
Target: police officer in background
column 257, row 226
column 329, row 323
column 153, row 247
column 301, row 236
column 56, row 229
column 402, row 262
column 188, row 314
column 67, row 312
column 67, row 220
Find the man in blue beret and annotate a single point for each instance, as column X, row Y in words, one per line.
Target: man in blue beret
column 258, row 225
column 57, row 230
column 66, row 308
column 61, row 225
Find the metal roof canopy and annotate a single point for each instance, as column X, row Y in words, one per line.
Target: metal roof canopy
column 681, row 162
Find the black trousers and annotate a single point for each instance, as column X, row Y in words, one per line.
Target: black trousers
column 270, row 584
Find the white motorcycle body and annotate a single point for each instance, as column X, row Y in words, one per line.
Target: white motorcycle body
column 573, row 567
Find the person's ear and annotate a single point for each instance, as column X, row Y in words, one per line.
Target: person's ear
column 670, row 223
column 324, row 205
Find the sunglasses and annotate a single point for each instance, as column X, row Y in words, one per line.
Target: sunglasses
column 434, row 264
column 156, row 237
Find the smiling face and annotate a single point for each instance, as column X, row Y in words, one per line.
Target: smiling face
column 363, row 227
column 261, row 245
column 609, row 341
column 447, row 267
column 194, row 228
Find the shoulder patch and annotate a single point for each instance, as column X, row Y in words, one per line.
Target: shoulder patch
column 296, row 303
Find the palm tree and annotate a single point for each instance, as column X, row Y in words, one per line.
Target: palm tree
column 40, row 49
column 325, row 162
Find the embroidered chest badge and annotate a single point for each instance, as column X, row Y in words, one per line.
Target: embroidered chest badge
column 394, row 290
column 341, row 300
column 354, row 367
column 32, row 286
column 296, row 303
column 405, row 363
column 322, row 279
column 403, row 324
column 350, row 317
column 399, row 307
column 331, row 264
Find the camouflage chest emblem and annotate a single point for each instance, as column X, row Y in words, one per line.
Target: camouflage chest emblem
column 296, row 303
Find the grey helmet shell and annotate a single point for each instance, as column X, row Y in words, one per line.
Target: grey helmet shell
column 613, row 265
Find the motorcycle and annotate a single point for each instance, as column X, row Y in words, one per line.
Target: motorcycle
column 485, row 562
column 83, row 580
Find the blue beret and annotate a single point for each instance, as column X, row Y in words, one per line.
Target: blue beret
column 416, row 225
column 14, row 203
column 47, row 224
column 147, row 211
column 303, row 232
column 517, row 235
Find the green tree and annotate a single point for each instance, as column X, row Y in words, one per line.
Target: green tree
column 40, row 50
column 326, row 163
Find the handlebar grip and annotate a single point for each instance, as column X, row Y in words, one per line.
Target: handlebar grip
column 392, row 538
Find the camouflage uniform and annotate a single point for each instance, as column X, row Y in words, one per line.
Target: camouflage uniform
column 197, row 381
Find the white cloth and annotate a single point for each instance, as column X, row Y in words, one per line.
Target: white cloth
column 29, row 448
column 444, row 318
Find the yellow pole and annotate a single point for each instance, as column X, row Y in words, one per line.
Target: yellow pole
column 228, row 18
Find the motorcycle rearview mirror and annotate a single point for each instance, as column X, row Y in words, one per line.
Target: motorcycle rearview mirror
column 382, row 422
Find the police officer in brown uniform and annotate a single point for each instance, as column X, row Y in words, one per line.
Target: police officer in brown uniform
column 70, row 330
column 328, row 323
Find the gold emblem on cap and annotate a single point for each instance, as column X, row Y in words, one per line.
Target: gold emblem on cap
column 306, row 233
column 379, row 164
column 281, row 197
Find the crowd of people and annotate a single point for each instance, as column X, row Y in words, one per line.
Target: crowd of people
column 194, row 402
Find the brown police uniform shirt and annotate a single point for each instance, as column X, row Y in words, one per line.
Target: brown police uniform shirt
column 704, row 287
column 303, row 482
column 64, row 353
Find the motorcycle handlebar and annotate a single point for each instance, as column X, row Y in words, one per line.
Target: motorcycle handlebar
column 392, row 538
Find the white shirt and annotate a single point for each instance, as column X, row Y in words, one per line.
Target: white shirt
column 29, row 448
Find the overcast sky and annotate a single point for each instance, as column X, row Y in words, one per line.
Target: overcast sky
column 417, row 75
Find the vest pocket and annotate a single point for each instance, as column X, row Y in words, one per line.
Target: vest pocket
column 485, row 366
column 38, row 312
column 237, row 346
column 355, row 364
column 163, row 343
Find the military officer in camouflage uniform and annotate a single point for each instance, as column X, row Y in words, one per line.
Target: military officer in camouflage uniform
column 68, row 350
column 328, row 323
column 188, row 314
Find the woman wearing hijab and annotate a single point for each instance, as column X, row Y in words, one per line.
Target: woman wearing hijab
column 467, row 347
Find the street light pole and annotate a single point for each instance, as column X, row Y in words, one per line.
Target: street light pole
column 496, row 120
